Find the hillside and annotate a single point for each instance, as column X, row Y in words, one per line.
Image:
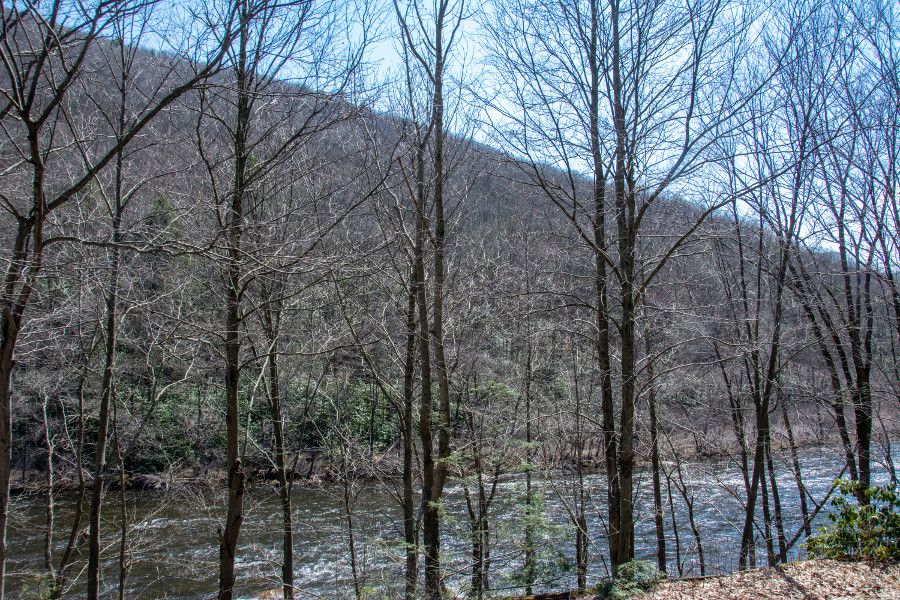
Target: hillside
column 654, row 314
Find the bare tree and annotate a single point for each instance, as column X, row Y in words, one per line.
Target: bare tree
column 290, row 70
column 635, row 95
column 429, row 36
column 45, row 49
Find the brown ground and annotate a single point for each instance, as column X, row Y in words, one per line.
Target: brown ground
column 809, row 580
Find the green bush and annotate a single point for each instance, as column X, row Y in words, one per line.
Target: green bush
column 860, row 531
column 634, row 578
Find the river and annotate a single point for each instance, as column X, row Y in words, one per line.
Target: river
column 174, row 549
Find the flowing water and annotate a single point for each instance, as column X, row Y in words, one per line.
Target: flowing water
column 173, row 545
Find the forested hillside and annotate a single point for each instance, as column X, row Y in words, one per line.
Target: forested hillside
column 544, row 241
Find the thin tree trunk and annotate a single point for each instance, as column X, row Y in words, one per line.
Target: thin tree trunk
column 285, row 479
column 28, row 232
column 430, row 517
column 48, row 534
column 802, row 278
column 654, row 462
column 767, row 519
column 776, row 501
column 486, row 549
column 888, row 453
column 228, row 539
column 478, row 510
column 678, row 564
column 10, row 330
column 747, row 535
column 348, row 519
column 433, row 583
column 62, row 573
column 764, row 391
column 689, row 504
column 610, row 437
column 581, row 549
column 529, row 566
column 863, row 392
column 111, row 323
column 624, row 202
column 737, row 420
column 580, row 521
column 93, row 572
column 410, row 533
column 124, row 566
column 798, row 474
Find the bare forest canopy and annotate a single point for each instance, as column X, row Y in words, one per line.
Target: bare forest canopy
column 545, row 239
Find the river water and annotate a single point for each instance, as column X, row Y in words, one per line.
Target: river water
column 174, row 550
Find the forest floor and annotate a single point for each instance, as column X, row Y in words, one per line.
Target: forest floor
column 806, row 580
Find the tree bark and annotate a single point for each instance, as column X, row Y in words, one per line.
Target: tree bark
column 106, row 395
column 234, row 517
column 410, row 529
column 529, row 566
column 430, row 516
column 64, row 563
column 798, row 474
column 285, row 479
column 776, row 501
column 624, row 203
column 654, row 462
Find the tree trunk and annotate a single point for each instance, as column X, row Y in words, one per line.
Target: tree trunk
column 433, row 583
column 798, row 475
column 410, row 530
column 348, row 519
column 747, row 537
column 285, row 479
column 10, row 324
column 234, row 517
column 689, row 504
column 529, row 566
column 430, row 517
column 803, row 281
column 654, row 462
column 581, row 549
column 10, row 331
column 93, row 571
column 675, row 533
column 763, row 388
column 776, row 501
column 62, row 573
column 124, row 566
column 48, row 534
column 767, row 519
column 610, row 437
column 624, row 202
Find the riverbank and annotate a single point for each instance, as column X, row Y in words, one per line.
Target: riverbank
column 315, row 469
column 803, row 580
column 806, row 580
